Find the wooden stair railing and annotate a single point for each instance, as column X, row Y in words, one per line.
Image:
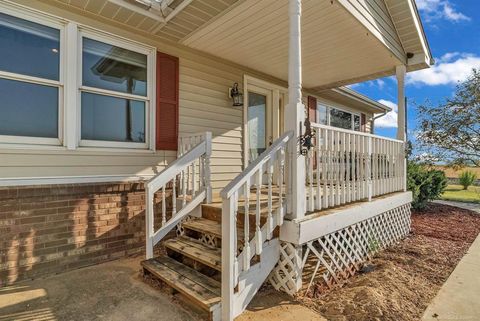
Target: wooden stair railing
column 190, row 172
column 242, row 275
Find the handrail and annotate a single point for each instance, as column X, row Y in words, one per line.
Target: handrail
column 238, row 181
column 192, row 171
column 349, row 131
column 236, row 261
column 347, row 166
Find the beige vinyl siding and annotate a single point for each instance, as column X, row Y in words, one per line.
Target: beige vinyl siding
column 375, row 16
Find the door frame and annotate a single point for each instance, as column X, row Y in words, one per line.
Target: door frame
column 276, row 93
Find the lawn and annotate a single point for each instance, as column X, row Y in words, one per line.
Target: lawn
column 457, row 193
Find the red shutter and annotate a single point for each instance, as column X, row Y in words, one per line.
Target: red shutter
column 167, row 102
column 312, row 109
column 363, row 123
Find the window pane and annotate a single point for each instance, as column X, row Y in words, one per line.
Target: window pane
column 256, row 124
column 322, row 114
column 112, row 119
column 29, row 48
column 356, row 122
column 113, row 68
column 28, row 109
column 340, row 119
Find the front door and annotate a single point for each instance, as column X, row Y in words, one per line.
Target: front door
column 264, row 116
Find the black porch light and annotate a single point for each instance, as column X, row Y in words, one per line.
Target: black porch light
column 236, row 95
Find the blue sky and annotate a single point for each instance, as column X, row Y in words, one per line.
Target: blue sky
column 453, row 31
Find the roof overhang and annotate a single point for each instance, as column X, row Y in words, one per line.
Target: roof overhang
column 338, row 49
column 408, row 24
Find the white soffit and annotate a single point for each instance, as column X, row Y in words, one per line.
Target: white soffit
column 337, row 48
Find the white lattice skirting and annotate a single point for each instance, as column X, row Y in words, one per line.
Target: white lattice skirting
column 334, row 257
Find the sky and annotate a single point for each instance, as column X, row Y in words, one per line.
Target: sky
column 453, row 32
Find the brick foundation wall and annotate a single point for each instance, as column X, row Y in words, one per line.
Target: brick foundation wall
column 55, row 228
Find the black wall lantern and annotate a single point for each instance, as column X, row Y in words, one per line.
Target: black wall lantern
column 306, row 140
column 236, row 95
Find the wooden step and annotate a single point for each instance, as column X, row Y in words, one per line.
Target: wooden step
column 197, row 251
column 200, row 289
column 214, row 228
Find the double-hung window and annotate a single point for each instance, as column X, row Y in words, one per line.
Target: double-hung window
column 31, row 82
column 114, row 92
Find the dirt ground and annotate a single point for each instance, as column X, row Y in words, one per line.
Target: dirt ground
column 406, row 277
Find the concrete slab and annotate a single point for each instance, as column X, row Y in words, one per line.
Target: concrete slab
column 475, row 207
column 459, row 298
column 111, row 291
column 115, row 291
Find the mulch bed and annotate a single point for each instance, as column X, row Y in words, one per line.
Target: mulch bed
column 407, row 276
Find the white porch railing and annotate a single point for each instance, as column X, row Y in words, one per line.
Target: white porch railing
column 347, row 166
column 236, row 261
column 189, row 174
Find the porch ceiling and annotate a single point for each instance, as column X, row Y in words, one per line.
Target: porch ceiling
column 337, row 48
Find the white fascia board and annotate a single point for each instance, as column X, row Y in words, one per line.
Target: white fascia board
column 314, row 227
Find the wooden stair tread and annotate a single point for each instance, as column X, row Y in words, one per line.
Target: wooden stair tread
column 206, row 226
column 204, row 291
column 197, row 251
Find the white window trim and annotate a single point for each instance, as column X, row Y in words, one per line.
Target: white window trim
column 56, row 23
column 148, row 99
column 68, row 84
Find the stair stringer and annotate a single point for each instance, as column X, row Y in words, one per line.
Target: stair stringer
column 251, row 280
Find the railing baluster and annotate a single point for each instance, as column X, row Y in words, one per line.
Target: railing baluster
column 258, row 231
column 174, row 196
column 311, row 197
column 270, row 196
column 325, row 168
column 280, row 187
column 318, row 203
column 246, row 227
column 349, row 168
column 164, row 207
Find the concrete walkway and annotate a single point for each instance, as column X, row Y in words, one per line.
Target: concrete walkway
column 459, row 297
column 115, row 291
column 475, row 207
column 111, row 291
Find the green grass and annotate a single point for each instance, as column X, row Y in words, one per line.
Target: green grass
column 456, row 193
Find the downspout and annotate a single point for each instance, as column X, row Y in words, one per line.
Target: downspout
column 372, row 128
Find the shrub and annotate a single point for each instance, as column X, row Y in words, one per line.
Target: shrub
column 425, row 184
column 467, row 178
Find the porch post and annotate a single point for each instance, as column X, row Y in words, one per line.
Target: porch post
column 295, row 114
column 401, row 121
column 401, row 71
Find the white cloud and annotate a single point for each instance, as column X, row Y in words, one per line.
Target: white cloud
column 390, row 119
column 440, row 9
column 450, row 69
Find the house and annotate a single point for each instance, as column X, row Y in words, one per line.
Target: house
column 119, row 129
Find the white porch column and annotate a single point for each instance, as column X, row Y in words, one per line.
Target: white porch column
column 295, row 113
column 401, row 121
column 401, row 71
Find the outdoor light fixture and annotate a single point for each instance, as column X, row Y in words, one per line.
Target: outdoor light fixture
column 236, row 95
column 306, row 140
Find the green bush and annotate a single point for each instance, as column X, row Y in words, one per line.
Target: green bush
column 426, row 184
column 467, row 178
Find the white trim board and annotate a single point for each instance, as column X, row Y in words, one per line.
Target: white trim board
column 313, row 226
column 73, row 180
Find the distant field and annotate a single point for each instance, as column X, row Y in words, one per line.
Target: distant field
column 451, row 173
column 456, row 193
